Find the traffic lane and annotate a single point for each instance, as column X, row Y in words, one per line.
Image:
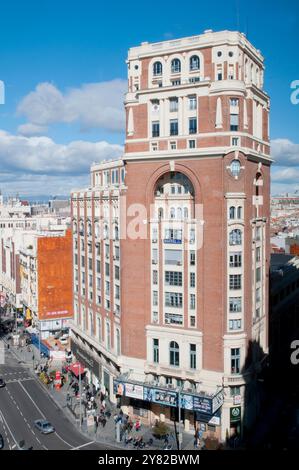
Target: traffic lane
column 7, row 438
column 65, row 430
column 18, row 427
column 31, row 412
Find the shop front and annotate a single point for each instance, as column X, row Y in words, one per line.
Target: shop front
column 152, row 403
column 92, row 366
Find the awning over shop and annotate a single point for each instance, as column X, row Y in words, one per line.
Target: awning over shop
column 77, row 369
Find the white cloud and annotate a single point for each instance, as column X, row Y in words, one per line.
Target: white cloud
column 42, row 155
column 93, row 105
column 31, row 129
column 285, row 152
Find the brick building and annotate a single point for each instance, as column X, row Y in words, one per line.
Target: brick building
column 171, row 243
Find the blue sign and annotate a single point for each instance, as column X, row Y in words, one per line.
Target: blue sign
column 202, row 404
column 161, row 397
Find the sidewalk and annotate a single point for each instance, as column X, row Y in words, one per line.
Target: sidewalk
column 103, row 435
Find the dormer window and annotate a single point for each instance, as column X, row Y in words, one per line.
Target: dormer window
column 194, row 63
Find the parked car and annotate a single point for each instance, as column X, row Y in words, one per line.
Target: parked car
column 1, row 441
column 44, row 426
column 2, row 383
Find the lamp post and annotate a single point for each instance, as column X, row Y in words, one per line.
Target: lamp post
column 179, row 430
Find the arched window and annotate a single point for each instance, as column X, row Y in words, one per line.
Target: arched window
column 157, row 69
column 99, row 329
column 89, row 229
column 232, row 212
column 160, row 213
column 194, row 63
column 179, row 213
column 185, row 212
column 175, row 66
column 174, row 354
column 172, row 213
column 239, row 212
column 75, row 227
column 235, row 237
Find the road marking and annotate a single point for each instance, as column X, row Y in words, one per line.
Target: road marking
column 4, row 421
column 13, row 447
column 83, row 445
column 70, row 445
column 31, row 399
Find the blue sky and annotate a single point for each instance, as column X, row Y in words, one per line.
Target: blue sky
column 69, row 45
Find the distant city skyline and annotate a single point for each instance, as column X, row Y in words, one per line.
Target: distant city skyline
column 65, row 77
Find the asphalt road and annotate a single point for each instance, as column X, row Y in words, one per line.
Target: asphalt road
column 24, row 400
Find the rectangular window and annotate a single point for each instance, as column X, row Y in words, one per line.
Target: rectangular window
column 192, row 301
column 258, row 275
column 192, row 321
column 235, row 304
column 235, row 281
column 234, row 122
column 192, row 356
column 258, row 294
column 107, row 288
column 98, row 266
column 154, row 146
column 192, row 103
column 192, row 258
column 173, row 146
column 173, row 105
column 173, row 257
column 235, row 260
column 192, row 144
column 173, row 236
column 155, row 129
column 107, row 269
column 235, row 324
column 154, row 256
column 235, row 141
column 192, row 126
column 176, row 82
column 236, row 390
column 174, row 127
column 235, row 354
column 117, row 252
column 155, row 317
column 173, row 299
column 116, row 272
column 117, row 292
column 258, row 254
column 192, row 279
column 173, row 318
column 155, row 277
column 155, row 350
column 155, row 298
column 173, row 278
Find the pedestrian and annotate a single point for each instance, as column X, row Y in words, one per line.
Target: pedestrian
column 195, row 442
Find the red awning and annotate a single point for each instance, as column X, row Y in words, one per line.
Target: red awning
column 77, row 369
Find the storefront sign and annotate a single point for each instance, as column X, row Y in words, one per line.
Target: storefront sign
column 86, row 359
column 186, row 401
column 202, row 404
column 217, row 401
column 237, row 399
column 235, row 414
column 129, row 390
column 162, row 397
